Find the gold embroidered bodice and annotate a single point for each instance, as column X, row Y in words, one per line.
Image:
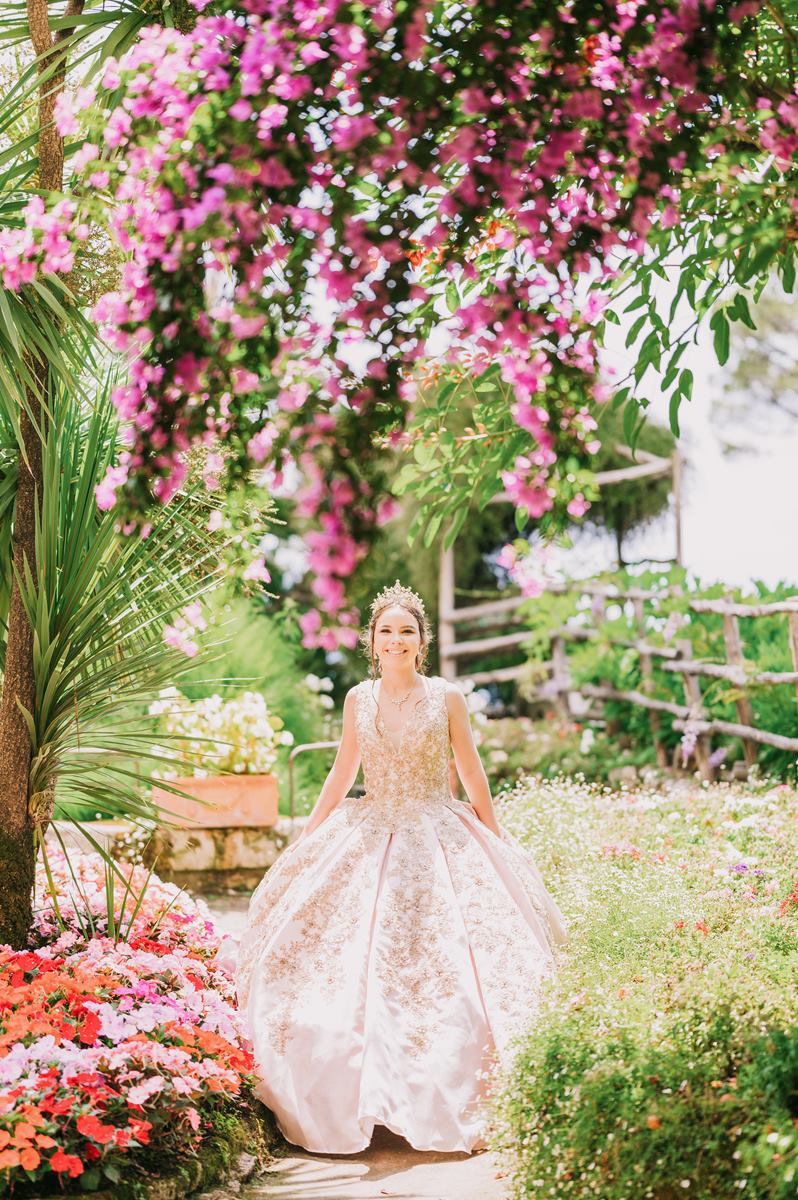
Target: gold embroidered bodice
column 407, row 777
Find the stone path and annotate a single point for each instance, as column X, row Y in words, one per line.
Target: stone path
column 229, row 912
column 389, row 1167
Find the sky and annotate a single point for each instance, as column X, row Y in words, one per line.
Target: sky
column 739, row 511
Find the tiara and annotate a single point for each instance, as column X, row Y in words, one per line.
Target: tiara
column 396, row 594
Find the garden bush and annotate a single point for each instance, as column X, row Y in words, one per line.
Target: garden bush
column 121, row 1049
column 765, row 645
column 664, row 1060
column 512, row 747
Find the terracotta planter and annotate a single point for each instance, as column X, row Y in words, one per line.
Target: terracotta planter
column 237, row 800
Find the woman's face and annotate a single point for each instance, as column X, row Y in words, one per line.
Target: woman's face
column 397, row 639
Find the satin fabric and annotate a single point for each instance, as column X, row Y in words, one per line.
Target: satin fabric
column 391, row 957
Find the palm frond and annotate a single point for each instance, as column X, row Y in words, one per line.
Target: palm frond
column 98, row 604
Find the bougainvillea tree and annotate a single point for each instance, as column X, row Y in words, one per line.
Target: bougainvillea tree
column 306, row 192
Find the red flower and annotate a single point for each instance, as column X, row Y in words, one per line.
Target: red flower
column 91, row 1126
column 789, row 901
column 58, row 1108
column 140, row 1130
column 69, row 1163
column 29, row 1159
column 90, row 1028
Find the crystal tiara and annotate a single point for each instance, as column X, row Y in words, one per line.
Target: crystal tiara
column 396, row 594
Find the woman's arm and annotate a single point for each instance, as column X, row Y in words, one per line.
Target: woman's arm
column 467, row 760
column 343, row 772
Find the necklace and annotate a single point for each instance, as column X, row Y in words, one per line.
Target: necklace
column 399, row 703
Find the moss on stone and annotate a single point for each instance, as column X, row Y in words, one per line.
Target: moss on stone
column 252, row 1132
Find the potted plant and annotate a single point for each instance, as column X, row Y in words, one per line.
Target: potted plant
column 225, row 751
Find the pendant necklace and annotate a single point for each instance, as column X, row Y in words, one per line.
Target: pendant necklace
column 399, row 703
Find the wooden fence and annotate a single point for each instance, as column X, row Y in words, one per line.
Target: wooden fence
column 676, row 658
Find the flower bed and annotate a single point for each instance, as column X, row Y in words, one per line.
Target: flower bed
column 116, row 1056
column 664, row 1061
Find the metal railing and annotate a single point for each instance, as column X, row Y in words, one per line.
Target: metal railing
column 301, row 749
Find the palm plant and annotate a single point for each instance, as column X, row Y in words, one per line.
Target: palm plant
column 46, row 344
column 97, row 605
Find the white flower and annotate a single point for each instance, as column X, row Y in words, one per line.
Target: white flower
column 244, row 736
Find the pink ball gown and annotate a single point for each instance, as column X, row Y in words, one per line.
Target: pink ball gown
column 390, row 956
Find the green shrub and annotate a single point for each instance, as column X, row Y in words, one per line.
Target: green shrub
column 668, row 619
column 663, row 1061
column 512, row 747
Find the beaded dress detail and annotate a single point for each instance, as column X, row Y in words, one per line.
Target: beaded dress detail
column 390, row 956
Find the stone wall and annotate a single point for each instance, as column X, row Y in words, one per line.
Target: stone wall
column 201, row 860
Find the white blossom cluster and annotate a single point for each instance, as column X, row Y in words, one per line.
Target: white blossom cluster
column 238, row 735
column 321, row 687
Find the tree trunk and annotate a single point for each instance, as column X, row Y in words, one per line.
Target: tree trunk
column 16, row 835
column 17, row 826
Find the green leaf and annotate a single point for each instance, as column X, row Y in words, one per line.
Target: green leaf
column 431, row 532
column 739, row 310
column 673, row 412
column 650, row 353
column 455, row 527
column 521, row 518
column 720, row 327
column 423, row 453
column 686, row 384
column 635, row 329
column 788, row 272
column 630, row 421
column 452, row 296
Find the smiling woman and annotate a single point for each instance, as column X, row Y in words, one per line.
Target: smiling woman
column 394, row 950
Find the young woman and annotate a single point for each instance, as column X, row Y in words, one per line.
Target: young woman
column 393, row 951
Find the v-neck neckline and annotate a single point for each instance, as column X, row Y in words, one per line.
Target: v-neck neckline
column 386, row 732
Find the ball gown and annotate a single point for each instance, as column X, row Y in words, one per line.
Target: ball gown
column 390, row 956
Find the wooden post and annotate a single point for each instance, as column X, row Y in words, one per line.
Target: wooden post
column 647, row 673
column 446, row 628
column 734, row 655
column 676, row 475
column 692, row 693
column 561, row 677
column 792, row 629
